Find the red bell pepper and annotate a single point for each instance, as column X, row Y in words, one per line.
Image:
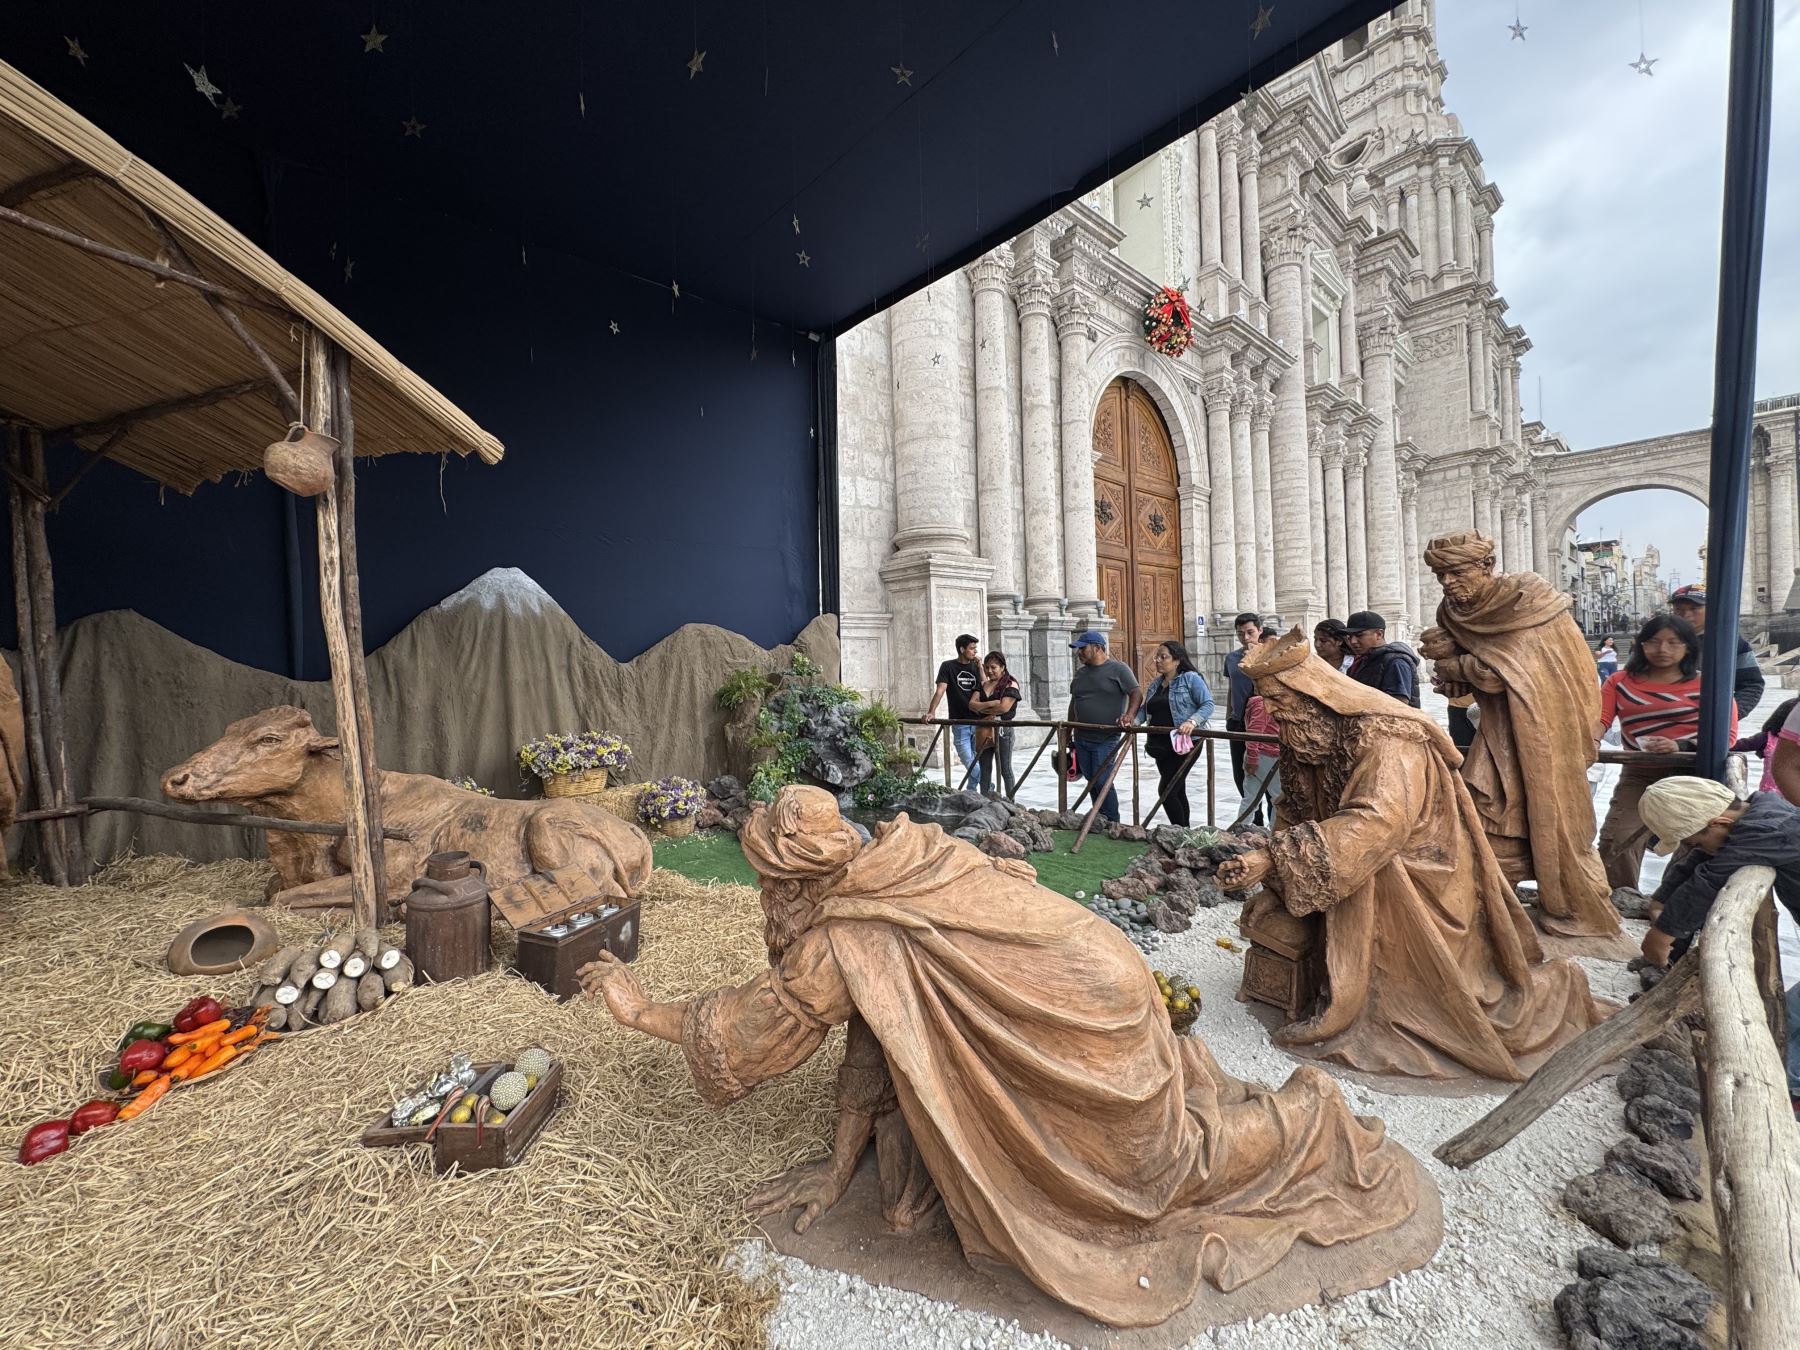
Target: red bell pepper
column 91, row 1115
column 198, row 1013
column 141, row 1055
column 44, row 1141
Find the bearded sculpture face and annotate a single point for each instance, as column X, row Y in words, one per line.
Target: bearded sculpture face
column 1466, row 585
column 1310, row 731
column 798, row 844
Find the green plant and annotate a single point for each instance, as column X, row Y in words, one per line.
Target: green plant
column 743, row 687
column 879, row 722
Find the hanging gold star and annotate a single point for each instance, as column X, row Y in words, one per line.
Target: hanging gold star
column 205, row 87
column 796, row 224
column 675, row 290
column 373, row 39
column 696, row 63
column 349, row 268
column 413, row 127
column 614, row 325
column 804, row 258
column 1517, row 30
column 1643, row 63
column 75, row 49
column 229, row 110
column 902, row 75
column 1260, row 24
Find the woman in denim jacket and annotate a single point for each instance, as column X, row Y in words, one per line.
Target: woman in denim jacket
column 1179, row 700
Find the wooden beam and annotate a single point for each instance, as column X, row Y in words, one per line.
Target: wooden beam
column 47, row 641
column 197, row 815
column 1750, row 1135
column 344, row 424
column 102, row 451
column 26, row 485
column 47, row 181
column 105, row 426
column 364, row 884
column 128, row 259
column 283, row 390
column 49, row 836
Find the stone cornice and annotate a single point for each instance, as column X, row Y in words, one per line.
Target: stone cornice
column 992, row 271
column 1033, row 293
column 1378, row 336
column 1218, row 386
column 1287, row 240
column 1262, row 412
column 1074, row 309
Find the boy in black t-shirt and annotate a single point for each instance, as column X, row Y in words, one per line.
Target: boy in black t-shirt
column 959, row 679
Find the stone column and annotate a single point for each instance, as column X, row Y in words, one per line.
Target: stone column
column 1527, row 558
column 1249, row 165
column 1465, row 226
column 1356, row 532
column 1384, row 506
column 1262, row 413
column 1209, row 195
column 1483, row 488
column 1782, row 510
column 1444, row 217
column 1081, row 568
column 1484, row 232
column 1418, row 206
column 1243, row 491
column 1414, row 570
column 1391, row 199
column 1478, row 383
column 994, row 403
column 1044, row 592
column 1337, row 572
column 1232, row 244
column 1512, row 543
column 1351, row 354
column 1544, row 551
column 1315, row 463
column 1283, row 252
column 1223, row 507
column 1185, row 160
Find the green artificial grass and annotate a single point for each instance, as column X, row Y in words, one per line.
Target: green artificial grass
column 714, row 855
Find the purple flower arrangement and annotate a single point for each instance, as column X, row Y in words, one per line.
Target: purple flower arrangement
column 574, row 752
column 669, row 799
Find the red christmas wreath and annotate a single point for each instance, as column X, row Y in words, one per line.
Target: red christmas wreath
column 1168, row 324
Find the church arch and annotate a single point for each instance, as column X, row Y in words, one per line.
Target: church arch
column 1140, row 560
column 1124, row 355
column 1566, row 505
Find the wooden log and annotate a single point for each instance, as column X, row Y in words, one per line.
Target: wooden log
column 49, row 839
column 1677, row 995
column 1750, row 1135
column 47, row 181
column 1099, row 793
column 49, row 648
column 1765, row 945
column 364, row 884
column 344, row 426
column 102, row 451
column 199, row 815
column 105, row 426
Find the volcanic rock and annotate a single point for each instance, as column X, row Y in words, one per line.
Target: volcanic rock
column 1673, row 1168
column 1656, row 1120
column 998, row 845
column 1631, row 903
column 1632, row 1301
column 1619, row 1210
column 1646, row 1078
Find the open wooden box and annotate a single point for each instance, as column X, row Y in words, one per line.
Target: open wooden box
column 469, row 1149
column 545, row 900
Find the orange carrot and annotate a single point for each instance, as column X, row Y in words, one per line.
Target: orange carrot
column 218, row 1060
column 244, row 1033
column 179, row 1057
column 144, row 1076
column 217, row 1028
column 146, row 1099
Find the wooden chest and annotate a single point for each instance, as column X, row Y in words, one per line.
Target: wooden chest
column 1285, row 966
column 469, row 1149
column 563, row 922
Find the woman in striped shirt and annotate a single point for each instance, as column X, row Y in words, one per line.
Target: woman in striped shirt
column 1656, row 702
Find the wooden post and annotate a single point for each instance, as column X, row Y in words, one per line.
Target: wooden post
column 49, row 659
column 1212, row 808
column 364, row 885
column 345, row 429
column 49, row 836
column 1062, row 768
column 1750, row 1134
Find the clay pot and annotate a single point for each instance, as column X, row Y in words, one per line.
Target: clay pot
column 303, row 463
column 222, row 944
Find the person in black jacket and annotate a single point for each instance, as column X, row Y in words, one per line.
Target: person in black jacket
column 1392, row 667
column 1747, row 679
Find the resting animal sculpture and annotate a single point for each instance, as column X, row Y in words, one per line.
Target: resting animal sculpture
column 275, row 763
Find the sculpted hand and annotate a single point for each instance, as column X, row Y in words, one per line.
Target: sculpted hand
column 812, row 1188
column 1436, row 645
column 613, row 980
column 1245, row 870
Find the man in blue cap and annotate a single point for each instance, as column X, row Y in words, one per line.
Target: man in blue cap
column 1746, row 677
column 1103, row 692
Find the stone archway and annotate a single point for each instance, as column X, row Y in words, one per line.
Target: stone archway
column 1137, row 522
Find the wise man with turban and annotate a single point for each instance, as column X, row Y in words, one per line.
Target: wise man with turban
column 1509, row 639
column 1432, row 967
column 1070, row 1133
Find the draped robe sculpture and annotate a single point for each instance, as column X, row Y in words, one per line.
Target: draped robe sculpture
column 1032, row 1070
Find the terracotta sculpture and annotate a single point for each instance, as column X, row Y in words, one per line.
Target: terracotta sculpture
column 1510, row 641
column 1433, row 969
column 275, row 763
column 1032, row 1071
column 12, row 747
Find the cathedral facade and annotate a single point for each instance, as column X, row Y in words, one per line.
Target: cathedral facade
column 1016, row 461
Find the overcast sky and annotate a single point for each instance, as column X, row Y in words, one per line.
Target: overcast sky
column 1607, row 247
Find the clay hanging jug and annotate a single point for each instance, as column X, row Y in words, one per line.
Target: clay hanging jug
column 447, row 919
column 302, row 462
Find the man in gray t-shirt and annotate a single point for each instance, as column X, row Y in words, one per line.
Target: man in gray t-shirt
column 1103, row 692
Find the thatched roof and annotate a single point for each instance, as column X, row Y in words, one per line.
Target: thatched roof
column 85, row 340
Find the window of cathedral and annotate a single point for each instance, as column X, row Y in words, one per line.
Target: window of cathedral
column 1356, row 43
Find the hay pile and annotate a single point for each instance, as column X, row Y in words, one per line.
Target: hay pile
column 244, row 1212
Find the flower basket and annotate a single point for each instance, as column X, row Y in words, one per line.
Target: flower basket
column 574, row 763
column 1168, row 323
column 669, row 806
column 581, row 783
column 679, row 829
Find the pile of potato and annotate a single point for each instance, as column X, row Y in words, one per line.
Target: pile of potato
column 343, row 974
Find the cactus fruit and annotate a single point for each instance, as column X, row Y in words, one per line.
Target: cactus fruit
column 533, row 1063
column 508, row 1090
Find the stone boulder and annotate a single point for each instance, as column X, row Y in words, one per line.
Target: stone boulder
column 1619, row 1210
column 1632, row 1301
column 1631, row 903
column 1647, row 1078
column 1126, row 888
column 1657, row 1120
column 998, row 845
column 1166, row 917
column 1030, row 832
column 1126, row 833
column 1672, row 1168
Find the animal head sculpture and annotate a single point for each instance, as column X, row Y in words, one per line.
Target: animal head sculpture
column 260, row 756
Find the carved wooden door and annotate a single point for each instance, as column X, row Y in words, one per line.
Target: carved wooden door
column 1137, row 523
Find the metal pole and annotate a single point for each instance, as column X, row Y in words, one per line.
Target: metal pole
column 1734, row 364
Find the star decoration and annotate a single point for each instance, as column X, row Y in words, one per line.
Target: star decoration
column 75, row 49
column 1055, row 46
column 922, row 241
column 581, row 102
column 332, row 251
column 696, row 63
column 902, row 75
column 614, row 326
column 206, row 88
column 1144, row 202
column 796, row 224
column 373, row 39
column 349, row 268
column 229, row 109
column 1260, row 24
column 413, row 127
column 937, row 358
column 675, row 290
column 1643, row 63
column 1517, row 29
column 803, row 258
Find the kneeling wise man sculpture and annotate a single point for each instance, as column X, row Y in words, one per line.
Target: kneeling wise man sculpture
column 1014, row 1058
